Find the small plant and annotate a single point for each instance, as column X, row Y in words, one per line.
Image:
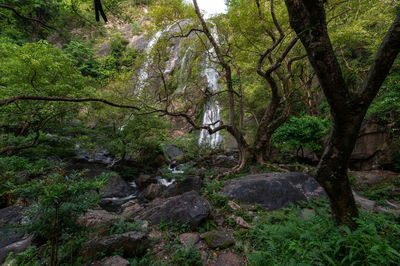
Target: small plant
column 28, row 257
column 186, row 256
column 122, row 226
column 60, row 199
column 212, row 188
column 208, row 225
column 178, row 227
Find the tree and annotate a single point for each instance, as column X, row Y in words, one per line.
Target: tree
column 59, row 201
column 348, row 108
column 37, row 95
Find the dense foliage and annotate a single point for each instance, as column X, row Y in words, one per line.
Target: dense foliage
column 56, row 49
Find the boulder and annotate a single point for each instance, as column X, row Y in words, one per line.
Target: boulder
column 116, row 187
column 273, row 190
column 11, row 215
column 307, row 214
column 240, row 221
column 100, row 220
column 114, row 204
column 225, row 161
column 172, row 152
column 374, row 147
column 112, row 261
column 188, row 208
column 234, row 205
column 218, row 239
column 364, row 203
column 228, row 258
column 131, row 208
column 10, row 239
column 185, row 185
column 16, row 247
column 130, row 244
column 145, row 180
column 152, row 191
column 187, row 239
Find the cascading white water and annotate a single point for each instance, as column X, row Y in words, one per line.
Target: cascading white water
column 183, row 74
column 143, row 72
column 211, row 112
column 211, row 109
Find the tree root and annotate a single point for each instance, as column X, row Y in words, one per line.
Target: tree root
column 275, row 167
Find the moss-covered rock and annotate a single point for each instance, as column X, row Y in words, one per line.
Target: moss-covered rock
column 218, row 239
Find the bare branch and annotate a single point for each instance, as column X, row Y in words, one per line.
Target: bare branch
column 5, row 102
column 26, row 18
column 185, row 35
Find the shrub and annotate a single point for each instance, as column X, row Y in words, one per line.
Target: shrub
column 83, row 58
column 60, row 199
column 300, row 132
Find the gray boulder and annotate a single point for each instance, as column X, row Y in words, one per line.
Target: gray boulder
column 116, row 187
column 16, row 247
column 172, row 152
column 152, row 191
column 218, row 239
column 112, row 261
column 273, row 190
column 10, row 239
column 225, row 161
column 185, row 185
column 188, row 208
column 131, row 244
column 100, row 220
column 131, row 208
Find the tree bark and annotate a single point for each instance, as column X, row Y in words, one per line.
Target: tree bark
column 348, row 109
column 244, row 149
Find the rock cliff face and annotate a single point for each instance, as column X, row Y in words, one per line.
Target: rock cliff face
column 374, row 148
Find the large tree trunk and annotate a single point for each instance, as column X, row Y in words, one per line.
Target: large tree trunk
column 347, row 108
column 332, row 168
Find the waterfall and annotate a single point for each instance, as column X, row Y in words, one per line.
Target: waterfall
column 143, row 72
column 211, row 112
column 211, row 108
column 183, row 73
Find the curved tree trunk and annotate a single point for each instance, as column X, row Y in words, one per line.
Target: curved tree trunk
column 244, row 149
column 267, row 126
column 262, row 147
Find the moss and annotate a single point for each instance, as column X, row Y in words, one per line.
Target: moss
column 216, row 239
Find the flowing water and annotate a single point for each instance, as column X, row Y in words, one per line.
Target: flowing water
column 211, row 112
column 212, row 108
column 144, row 71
